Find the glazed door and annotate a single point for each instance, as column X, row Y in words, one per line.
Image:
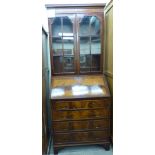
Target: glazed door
column 89, row 43
column 76, row 43
column 63, row 44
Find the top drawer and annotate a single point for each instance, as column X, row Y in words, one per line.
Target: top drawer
column 81, row 104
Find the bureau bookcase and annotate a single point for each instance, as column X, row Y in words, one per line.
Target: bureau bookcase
column 80, row 97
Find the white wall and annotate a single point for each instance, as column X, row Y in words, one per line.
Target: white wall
column 44, row 18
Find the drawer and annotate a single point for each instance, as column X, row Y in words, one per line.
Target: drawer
column 84, row 114
column 71, row 137
column 61, row 126
column 100, row 124
column 80, row 137
column 70, row 126
column 81, row 104
column 81, row 125
column 100, row 135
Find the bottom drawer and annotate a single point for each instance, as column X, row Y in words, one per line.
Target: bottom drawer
column 77, row 137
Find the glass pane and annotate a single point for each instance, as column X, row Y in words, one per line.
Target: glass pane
column 84, row 63
column 95, row 45
column 57, row 46
column 95, row 62
column 84, row 54
column 57, row 62
column 67, row 26
column 68, row 39
column 56, row 26
column 84, row 45
column 94, row 26
column 68, row 45
column 69, row 64
column 84, row 25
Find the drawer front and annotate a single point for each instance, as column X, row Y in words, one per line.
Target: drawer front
column 100, row 135
column 100, row 124
column 79, row 137
column 61, row 126
column 84, row 114
column 70, row 125
column 81, row 104
column 71, row 137
column 81, row 125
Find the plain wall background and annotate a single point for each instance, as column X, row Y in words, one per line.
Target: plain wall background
column 21, row 77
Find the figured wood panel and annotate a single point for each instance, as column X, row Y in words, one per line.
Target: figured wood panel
column 99, row 124
column 81, row 125
column 81, row 104
column 100, row 135
column 80, row 137
column 79, row 86
column 73, row 80
column 85, row 114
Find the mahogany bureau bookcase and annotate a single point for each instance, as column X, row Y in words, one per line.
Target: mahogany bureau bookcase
column 80, row 97
column 80, row 111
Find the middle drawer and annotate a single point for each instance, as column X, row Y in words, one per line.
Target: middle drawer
column 82, row 114
column 81, row 125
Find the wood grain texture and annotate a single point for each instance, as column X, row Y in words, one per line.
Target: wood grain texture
column 84, row 120
column 87, row 125
column 85, row 114
column 81, row 104
column 79, row 87
column 81, row 136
